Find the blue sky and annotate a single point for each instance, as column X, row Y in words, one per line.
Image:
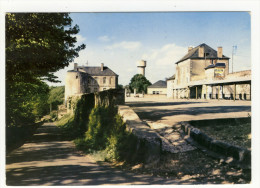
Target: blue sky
column 119, row 40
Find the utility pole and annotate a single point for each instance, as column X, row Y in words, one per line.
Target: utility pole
column 234, row 49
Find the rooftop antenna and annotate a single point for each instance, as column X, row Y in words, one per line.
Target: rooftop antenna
column 87, row 63
column 234, row 50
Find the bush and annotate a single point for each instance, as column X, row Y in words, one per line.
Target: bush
column 101, row 121
column 100, row 129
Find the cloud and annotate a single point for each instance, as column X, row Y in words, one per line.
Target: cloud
column 165, row 55
column 104, row 38
column 127, row 45
column 80, row 39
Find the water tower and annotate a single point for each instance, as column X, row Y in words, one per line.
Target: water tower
column 141, row 67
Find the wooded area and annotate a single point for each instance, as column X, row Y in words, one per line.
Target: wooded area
column 37, row 45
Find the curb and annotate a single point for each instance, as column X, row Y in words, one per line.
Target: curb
column 230, row 153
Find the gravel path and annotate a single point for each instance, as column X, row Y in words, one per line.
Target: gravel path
column 47, row 159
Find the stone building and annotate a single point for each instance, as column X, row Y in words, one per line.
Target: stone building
column 170, row 86
column 158, row 88
column 204, row 73
column 85, row 79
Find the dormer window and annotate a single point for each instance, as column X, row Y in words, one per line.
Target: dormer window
column 206, row 54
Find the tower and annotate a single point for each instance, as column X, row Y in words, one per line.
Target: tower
column 141, row 67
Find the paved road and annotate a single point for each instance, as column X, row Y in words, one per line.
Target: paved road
column 162, row 113
column 47, row 159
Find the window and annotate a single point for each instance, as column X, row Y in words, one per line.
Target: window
column 96, row 78
column 110, row 80
column 156, row 92
column 104, row 80
column 77, row 77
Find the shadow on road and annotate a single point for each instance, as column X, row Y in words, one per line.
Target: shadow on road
column 158, row 114
column 151, row 103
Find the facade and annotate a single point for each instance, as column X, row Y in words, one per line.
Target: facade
column 170, row 86
column 158, row 88
column 204, row 73
column 84, row 79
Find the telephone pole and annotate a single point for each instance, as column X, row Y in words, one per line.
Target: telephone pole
column 234, row 49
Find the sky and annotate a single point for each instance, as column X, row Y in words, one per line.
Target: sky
column 120, row 40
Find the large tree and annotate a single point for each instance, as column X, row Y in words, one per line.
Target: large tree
column 37, row 45
column 140, row 83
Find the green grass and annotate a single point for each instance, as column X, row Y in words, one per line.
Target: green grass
column 238, row 134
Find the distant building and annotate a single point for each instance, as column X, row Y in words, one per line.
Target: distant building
column 204, row 73
column 158, row 88
column 170, row 86
column 85, row 79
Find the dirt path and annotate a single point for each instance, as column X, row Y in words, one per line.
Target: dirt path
column 47, row 159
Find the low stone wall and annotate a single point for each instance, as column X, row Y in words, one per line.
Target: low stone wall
column 152, row 142
column 155, row 96
column 229, row 152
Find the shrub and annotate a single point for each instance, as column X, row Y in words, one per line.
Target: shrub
column 100, row 124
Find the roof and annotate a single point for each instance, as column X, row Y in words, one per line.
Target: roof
column 210, row 66
column 96, row 71
column 217, row 65
column 194, row 53
column 220, row 65
column 159, row 84
column 172, row 77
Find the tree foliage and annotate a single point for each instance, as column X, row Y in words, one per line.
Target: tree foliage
column 140, row 83
column 37, row 45
column 56, row 96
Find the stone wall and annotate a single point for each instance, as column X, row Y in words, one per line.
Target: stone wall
column 152, row 143
column 108, row 97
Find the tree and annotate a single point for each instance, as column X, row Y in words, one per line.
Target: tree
column 37, row 45
column 56, row 97
column 140, row 83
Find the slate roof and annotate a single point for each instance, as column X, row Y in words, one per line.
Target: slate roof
column 217, row 65
column 172, row 77
column 210, row 66
column 96, row 71
column 194, row 53
column 159, row 84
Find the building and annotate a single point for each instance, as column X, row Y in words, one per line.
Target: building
column 204, row 73
column 141, row 67
column 170, row 86
column 158, row 88
column 85, row 79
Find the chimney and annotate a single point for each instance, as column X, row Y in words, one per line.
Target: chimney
column 189, row 48
column 201, row 51
column 220, row 52
column 102, row 66
column 75, row 66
